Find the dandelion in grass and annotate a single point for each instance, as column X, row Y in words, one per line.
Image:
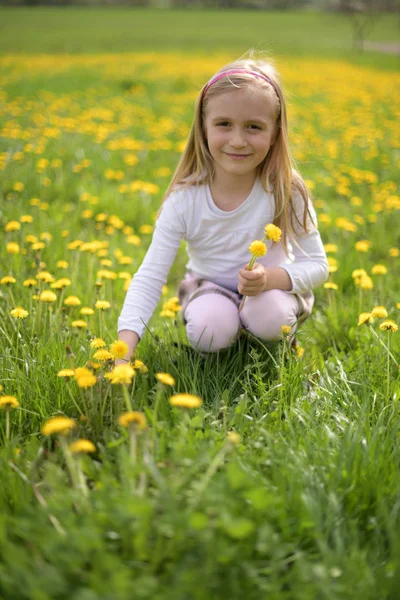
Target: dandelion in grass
column 119, row 349
column 97, row 343
column 185, row 401
column 365, row 317
column 12, row 226
column 29, row 283
column 47, row 296
column 272, row 232
column 389, row 325
column 86, row 381
column 286, row 329
column 81, row 371
column 329, row 285
column 133, row 418
column 61, row 425
column 379, row 312
column 8, row 280
column 66, row 373
column 330, row 248
column 366, row 283
column 398, row 305
column 102, row 305
column 13, row 248
column 62, row 264
column 140, row 366
column 103, row 355
column 86, row 311
column 82, row 446
column 165, row 379
column 362, row 245
column 19, row 313
column 7, row 403
column 299, row 350
column 121, row 374
column 394, row 252
column 72, row 301
column 79, row 324
column 379, row 270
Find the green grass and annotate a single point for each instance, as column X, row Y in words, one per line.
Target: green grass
column 101, row 30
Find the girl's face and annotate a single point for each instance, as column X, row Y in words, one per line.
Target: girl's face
column 240, row 130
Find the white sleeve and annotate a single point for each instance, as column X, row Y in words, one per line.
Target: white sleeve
column 310, row 266
column 145, row 289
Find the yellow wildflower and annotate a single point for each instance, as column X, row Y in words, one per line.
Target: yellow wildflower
column 13, row 248
column 379, row 312
column 62, row 264
column 272, row 232
column 185, row 401
column 86, row 311
column 47, row 296
column 394, row 252
column 66, row 373
column 79, row 324
column 12, row 226
column 85, row 381
column 121, row 374
column 379, row 270
column 7, row 279
column 103, row 355
column 61, row 425
column 388, row 325
column 8, row 402
column 233, row 437
column 359, row 273
column 102, row 304
column 82, row 446
column 362, row 246
column 139, row 366
column 45, row 276
column 146, row 229
column 72, row 301
column 81, row 372
column 365, row 317
column 30, row 282
column 19, row 313
column 257, row 248
column 165, row 379
column 286, row 329
column 133, row 417
column 97, row 343
column 119, row 349
column 330, row 248
column 329, row 285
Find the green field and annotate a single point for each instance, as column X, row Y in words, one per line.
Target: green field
column 285, row 482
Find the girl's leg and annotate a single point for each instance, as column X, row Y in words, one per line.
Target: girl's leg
column 263, row 315
column 212, row 322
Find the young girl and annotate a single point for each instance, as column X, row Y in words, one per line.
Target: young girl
column 234, row 177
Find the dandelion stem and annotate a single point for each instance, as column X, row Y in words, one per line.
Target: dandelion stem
column 388, row 366
column 383, row 344
column 7, row 424
column 127, row 398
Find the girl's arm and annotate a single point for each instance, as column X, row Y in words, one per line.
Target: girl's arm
column 132, row 339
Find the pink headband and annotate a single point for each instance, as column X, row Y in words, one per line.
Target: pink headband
column 239, row 70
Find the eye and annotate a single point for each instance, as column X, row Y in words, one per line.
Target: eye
column 254, row 126
column 223, row 124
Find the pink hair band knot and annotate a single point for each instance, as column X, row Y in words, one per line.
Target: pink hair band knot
column 234, row 71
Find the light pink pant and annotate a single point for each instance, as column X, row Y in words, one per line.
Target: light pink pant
column 213, row 322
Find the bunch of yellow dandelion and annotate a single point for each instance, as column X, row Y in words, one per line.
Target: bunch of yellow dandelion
column 84, row 377
column 272, row 232
column 97, row 343
column 121, row 374
column 170, row 307
column 119, row 349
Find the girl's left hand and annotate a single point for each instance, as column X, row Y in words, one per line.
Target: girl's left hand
column 252, row 282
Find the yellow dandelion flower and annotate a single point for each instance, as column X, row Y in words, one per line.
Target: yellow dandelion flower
column 397, row 304
column 272, row 232
column 379, row 270
column 61, row 425
column 103, row 355
column 19, row 313
column 119, row 349
column 8, row 402
column 72, row 301
column 82, row 446
column 388, row 325
column 45, row 276
column 133, row 417
column 330, row 248
column 47, row 296
column 86, row 311
column 165, row 379
column 379, row 312
column 170, row 314
column 66, row 373
column 233, row 437
column 13, row 248
column 85, row 381
column 366, row 283
column 8, row 279
column 30, row 282
column 121, row 374
column 145, row 229
column 102, row 305
column 139, row 366
column 12, row 226
column 38, row 246
column 257, row 248
column 394, row 252
column 329, row 285
column 18, row 186
column 286, row 329
column 79, row 324
column 62, row 264
column 362, row 246
column 97, row 343
column 61, row 283
column 185, row 401
column 299, row 350
column 81, row 372
column 359, row 273
column 365, row 317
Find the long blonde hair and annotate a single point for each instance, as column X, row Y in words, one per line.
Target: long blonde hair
column 276, row 172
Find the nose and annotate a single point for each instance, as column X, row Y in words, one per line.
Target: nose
column 237, row 139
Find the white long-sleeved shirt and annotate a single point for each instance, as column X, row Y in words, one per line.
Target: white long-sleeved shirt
column 217, row 248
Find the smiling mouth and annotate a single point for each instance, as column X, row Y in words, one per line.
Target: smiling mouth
column 237, row 155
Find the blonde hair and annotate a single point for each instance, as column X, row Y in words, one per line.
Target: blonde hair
column 277, row 172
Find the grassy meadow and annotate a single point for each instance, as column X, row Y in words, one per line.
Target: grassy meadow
column 280, row 477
